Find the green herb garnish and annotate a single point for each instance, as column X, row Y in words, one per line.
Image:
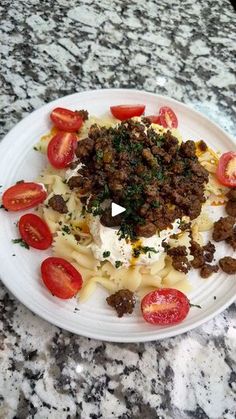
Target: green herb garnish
column 118, row 263
column 21, row 242
column 106, row 254
column 66, row 229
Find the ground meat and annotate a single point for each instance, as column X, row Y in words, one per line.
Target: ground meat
column 122, row 301
column 206, row 270
column 230, row 208
column 83, row 114
column 150, row 174
column 188, row 149
column 202, row 146
column 232, row 239
column 228, row 265
column 145, row 230
column 198, row 255
column 223, row 228
column 209, row 250
column 58, row 203
column 179, row 258
column 231, row 195
column 109, row 221
column 82, row 184
column 84, row 148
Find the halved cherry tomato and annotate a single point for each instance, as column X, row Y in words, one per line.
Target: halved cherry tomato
column 35, row 232
column 66, row 120
column 23, row 195
column 226, row 169
column 165, row 306
column 123, row 112
column 61, row 149
column 155, row 119
column 60, row 277
column 168, row 119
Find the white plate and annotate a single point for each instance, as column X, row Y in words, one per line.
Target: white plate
column 20, row 273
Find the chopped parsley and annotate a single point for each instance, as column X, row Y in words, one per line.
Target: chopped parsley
column 66, row 229
column 106, row 254
column 137, row 251
column 21, row 242
column 99, row 155
column 118, row 263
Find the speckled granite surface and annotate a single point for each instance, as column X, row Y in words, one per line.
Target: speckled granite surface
column 184, row 49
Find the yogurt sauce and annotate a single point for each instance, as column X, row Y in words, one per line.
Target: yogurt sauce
column 106, row 239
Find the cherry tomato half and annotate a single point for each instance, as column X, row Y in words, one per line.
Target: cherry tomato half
column 60, row 277
column 66, row 120
column 35, row 232
column 61, row 149
column 154, row 119
column 165, row 306
column 23, row 195
column 168, row 119
column 123, row 112
column 226, row 170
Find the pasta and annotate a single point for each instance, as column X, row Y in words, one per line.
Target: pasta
column 73, row 239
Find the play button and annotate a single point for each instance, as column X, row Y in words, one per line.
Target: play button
column 116, row 209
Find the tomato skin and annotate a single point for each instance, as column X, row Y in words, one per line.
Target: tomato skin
column 66, row 120
column 23, row 195
column 123, row 112
column 168, row 118
column 155, row 119
column 221, row 170
column 60, row 277
column 61, row 149
column 35, row 232
column 165, row 306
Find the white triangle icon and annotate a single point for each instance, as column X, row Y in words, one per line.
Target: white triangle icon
column 116, row 209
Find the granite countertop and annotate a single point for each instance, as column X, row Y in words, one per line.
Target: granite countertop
column 184, row 49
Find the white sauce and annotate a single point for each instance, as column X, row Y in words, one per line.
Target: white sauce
column 106, row 239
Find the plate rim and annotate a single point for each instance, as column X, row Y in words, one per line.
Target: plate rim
column 58, row 323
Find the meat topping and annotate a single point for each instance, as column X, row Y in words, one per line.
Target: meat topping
column 206, row 270
column 230, row 208
column 135, row 166
column 123, row 301
column 83, row 114
column 231, row 195
column 223, row 228
column 228, row 265
column 232, row 239
column 179, row 258
column 58, row 203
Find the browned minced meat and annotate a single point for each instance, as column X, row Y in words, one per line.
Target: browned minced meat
column 150, row 174
column 122, row 301
column 83, row 184
column 206, row 270
column 83, row 114
column 198, row 255
column 232, row 239
column 58, row 203
column 209, row 250
column 202, row 145
column 230, row 208
column 179, row 258
column 231, row 195
column 223, row 228
column 201, row 254
column 228, row 265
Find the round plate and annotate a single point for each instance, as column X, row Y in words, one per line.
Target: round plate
column 19, row 267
